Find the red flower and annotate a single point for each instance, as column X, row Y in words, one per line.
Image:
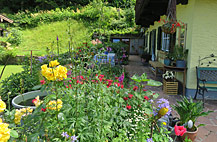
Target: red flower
column 145, row 90
column 42, row 82
column 122, row 86
column 178, row 25
column 135, row 88
column 43, row 109
column 128, row 107
column 146, row 98
column 79, row 50
column 34, row 101
column 116, row 77
column 180, row 130
column 125, row 98
column 130, row 96
column 67, row 86
column 118, row 84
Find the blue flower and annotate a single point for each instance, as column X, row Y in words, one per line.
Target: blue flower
column 74, row 138
column 64, row 134
column 149, row 140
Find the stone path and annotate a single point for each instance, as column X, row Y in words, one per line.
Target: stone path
column 206, row 133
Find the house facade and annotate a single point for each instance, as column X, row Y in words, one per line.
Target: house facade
column 199, row 35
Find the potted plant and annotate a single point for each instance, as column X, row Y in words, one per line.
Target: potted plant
column 145, row 57
column 169, row 25
column 180, row 56
column 189, row 111
column 170, row 85
column 169, row 57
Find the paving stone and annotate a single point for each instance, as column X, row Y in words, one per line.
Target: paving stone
column 204, row 120
column 211, row 138
column 211, row 128
column 202, row 132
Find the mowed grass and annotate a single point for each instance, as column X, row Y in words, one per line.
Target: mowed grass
column 9, row 70
column 45, row 36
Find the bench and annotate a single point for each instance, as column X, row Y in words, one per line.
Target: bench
column 205, row 77
column 156, row 66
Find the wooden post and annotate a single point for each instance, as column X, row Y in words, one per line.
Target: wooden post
column 31, row 59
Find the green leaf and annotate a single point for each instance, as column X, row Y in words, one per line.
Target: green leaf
column 200, row 125
column 37, row 87
column 154, row 83
column 136, row 78
column 14, row 134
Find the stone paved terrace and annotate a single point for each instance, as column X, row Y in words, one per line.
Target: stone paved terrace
column 206, row 133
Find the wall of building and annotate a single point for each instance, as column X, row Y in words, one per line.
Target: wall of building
column 204, row 35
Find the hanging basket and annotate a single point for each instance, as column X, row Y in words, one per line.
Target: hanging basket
column 168, row 28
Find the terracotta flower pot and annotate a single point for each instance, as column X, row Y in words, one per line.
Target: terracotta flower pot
column 190, row 135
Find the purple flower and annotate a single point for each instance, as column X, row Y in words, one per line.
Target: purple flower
column 121, row 78
column 57, row 38
column 69, row 72
column 74, row 138
column 164, row 103
column 124, row 56
column 149, row 140
column 109, row 49
column 64, row 134
column 40, row 59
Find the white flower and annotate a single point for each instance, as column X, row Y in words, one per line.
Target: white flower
column 190, row 124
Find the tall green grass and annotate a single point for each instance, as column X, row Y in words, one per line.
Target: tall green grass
column 9, row 70
column 45, row 36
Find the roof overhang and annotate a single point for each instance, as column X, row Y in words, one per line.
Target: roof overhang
column 149, row 11
column 4, row 19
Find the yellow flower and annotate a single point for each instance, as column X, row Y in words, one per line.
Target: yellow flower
column 53, row 63
column 37, row 101
column 53, row 105
column 162, row 111
column 4, row 132
column 50, row 74
column 164, row 123
column 44, row 69
column 0, row 120
column 61, row 72
column 21, row 112
column 2, row 106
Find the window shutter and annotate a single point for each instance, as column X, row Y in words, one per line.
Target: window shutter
column 159, row 38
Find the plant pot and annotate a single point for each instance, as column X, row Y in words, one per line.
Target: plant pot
column 167, row 62
column 27, row 96
column 180, row 63
column 190, row 135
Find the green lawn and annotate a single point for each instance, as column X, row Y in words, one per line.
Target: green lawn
column 10, row 69
column 45, row 35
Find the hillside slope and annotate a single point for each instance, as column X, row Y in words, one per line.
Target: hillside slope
column 45, row 35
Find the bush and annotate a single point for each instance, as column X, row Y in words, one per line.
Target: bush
column 15, row 36
column 19, row 83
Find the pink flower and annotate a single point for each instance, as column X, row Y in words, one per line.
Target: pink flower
column 42, row 82
column 43, row 109
column 180, row 130
column 125, row 98
column 128, row 107
column 135, row 88
column 130, row 96
column 146, row 98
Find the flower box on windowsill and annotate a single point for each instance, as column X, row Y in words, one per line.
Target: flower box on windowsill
column 170, row 87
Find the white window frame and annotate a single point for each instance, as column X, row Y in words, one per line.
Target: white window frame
column 165, row 42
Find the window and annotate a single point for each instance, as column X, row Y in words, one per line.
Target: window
column 181, row 36
column 116, row 40
column 165, row 42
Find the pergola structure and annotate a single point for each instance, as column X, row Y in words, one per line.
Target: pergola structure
column 148, row 11
column 4, row 19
